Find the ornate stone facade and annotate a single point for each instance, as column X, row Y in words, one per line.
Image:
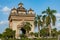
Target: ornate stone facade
column 18, row 16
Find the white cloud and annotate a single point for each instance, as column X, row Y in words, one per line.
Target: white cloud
column 3, row 25
column 3, row 22
column 6, row 9
column 57, row 16
column 57, row 21
column 57, row 26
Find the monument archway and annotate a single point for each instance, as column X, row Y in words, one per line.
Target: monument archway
column 17, row 15
column 20, row 29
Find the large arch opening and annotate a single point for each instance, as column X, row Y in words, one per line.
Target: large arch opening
column 22, row 32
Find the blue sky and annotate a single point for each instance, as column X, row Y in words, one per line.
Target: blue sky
column 37, row 5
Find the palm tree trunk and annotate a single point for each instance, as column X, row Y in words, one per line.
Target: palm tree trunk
column 42, row 26
column 38, row 31
column 49, row 26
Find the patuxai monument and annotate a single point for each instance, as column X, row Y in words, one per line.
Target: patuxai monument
column 18, row 16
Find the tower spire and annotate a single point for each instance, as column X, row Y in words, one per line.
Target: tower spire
column 20, row 4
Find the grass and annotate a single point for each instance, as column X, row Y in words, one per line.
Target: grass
column 34, row 39
column 40, row 39
column 49, row 39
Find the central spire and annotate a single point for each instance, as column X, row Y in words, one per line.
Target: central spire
column 20, row 4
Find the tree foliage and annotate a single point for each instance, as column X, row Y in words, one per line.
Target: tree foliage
column 8, row 33
column 38, row 23
column 50, row 18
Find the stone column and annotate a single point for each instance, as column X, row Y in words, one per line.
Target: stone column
column 18, row 33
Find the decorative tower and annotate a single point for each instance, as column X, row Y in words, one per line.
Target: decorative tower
column 30, row 11
column 21, row 9
column 20, row 4
column 18, row 16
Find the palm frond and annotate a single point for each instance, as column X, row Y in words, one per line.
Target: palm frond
column 48, row 10
column 43, row 18
column 43, row 12
column 53, row 19
column 38, row 17
column 35, row 23
column 53, row 11
column 39, row 23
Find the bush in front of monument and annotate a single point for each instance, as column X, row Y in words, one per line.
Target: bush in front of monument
column 8, row 34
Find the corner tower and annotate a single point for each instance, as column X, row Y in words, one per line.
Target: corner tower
column 18, row 16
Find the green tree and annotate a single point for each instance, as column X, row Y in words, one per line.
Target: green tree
column 59, row 32
column 0, row 35
column 44, row 32
column 8, row 33
column 54, row 32
column 50, row 18
column 38, row 23
column 31, row 33
column 27, row 27
column 36, row 34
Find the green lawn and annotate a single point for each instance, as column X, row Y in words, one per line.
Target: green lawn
column 49, row 39
column 34, row 39
column 41, row 39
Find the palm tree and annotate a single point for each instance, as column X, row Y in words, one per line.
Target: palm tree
column 43, row 20
column 50, row 18
column 27, row 27
column 37, row 23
